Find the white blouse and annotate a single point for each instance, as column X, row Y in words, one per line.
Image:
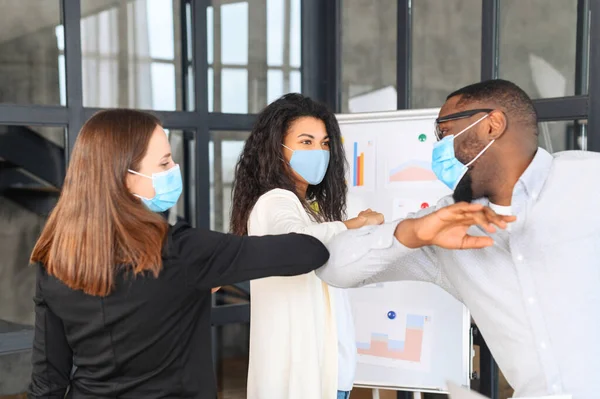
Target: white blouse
column 293, row 327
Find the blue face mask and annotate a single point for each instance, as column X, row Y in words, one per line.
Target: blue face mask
column 167, row 189
column 310, row 164
column 444, row 163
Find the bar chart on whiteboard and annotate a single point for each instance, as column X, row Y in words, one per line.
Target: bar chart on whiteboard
column 361, row 159
column 392, row 336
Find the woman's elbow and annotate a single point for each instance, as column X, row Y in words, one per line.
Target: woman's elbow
column 309, row 255
column 319, row 255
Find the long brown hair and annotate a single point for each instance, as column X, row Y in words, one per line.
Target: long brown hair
column 97, row 223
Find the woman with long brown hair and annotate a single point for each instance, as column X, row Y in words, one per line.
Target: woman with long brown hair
column 122, row 298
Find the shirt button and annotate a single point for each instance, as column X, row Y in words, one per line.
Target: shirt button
column 520, row 258
column 531, row 300
column 543, row 345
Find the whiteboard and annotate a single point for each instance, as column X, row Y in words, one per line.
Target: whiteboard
column 410, row 335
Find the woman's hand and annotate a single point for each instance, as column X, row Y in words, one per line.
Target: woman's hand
column 213, row 290
column 367, row 217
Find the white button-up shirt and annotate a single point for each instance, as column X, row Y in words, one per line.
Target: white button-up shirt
column 534, row 294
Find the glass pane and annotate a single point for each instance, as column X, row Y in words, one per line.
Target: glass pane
column 234, row 91
column 563, row 135
column 245, row 38
column 369, row 30
column 234, row 36
column 32, row 170
column 211, row 86
column 295, row 82
column 225, row 150
column 295, row 39
column 183, row 150
column 537, row 45
column 446, row 49
column 275, row 22
column 132, row 54
column 233, row 349
column 31, row 45
column 274, row 85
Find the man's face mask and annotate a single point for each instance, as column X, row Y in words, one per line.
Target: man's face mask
column 448, row 169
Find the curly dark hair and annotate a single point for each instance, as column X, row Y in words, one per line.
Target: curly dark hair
column 260, row 167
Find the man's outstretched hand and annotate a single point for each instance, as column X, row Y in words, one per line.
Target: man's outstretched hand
column 447, row 227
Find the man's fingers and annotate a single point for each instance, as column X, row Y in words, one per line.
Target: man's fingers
column 467, row 207
column 475, row 218
column 482, row 220
column 476, row 242
column 499, row 220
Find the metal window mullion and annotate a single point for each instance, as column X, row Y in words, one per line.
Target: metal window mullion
column 257, row 56
column 489, row 39
column 217, row 63
column 593, row 138
column 71, row 14
column 321, row 51
column 202, row 166
column 122, row 55
column 285, row 67
column 403, row 54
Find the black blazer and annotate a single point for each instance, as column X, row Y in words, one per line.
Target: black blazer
column 151, row 337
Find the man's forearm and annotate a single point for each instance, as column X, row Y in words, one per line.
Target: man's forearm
column 359, row 257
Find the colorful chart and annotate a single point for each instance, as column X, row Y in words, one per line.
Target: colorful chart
column 358, row 166
column 360, row 154
column 412, row 170
column 409, row 349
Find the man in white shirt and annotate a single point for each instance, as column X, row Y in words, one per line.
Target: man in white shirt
column 533, row 288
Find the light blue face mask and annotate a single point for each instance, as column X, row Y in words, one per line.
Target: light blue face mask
column 310, row 164
column 167, row 189
column 444, row 163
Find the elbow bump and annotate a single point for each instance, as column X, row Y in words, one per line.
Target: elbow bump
column 318, row 254
column 321, row 253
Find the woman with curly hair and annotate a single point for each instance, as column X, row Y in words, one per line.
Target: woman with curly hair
column 290, row 178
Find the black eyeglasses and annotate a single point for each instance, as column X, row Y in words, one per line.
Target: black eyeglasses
column 456, row 116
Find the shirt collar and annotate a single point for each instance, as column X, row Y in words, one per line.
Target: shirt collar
column 537, row 172
column 534, row 177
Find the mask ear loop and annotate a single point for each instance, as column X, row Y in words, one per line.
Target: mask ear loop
column 139, row 174
column 283, row 160
column 481, row 153
column 471, row 125
column 470, row 163
column 143, row 175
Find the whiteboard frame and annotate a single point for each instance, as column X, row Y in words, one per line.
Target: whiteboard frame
column 467, row 338
column 388, row 116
